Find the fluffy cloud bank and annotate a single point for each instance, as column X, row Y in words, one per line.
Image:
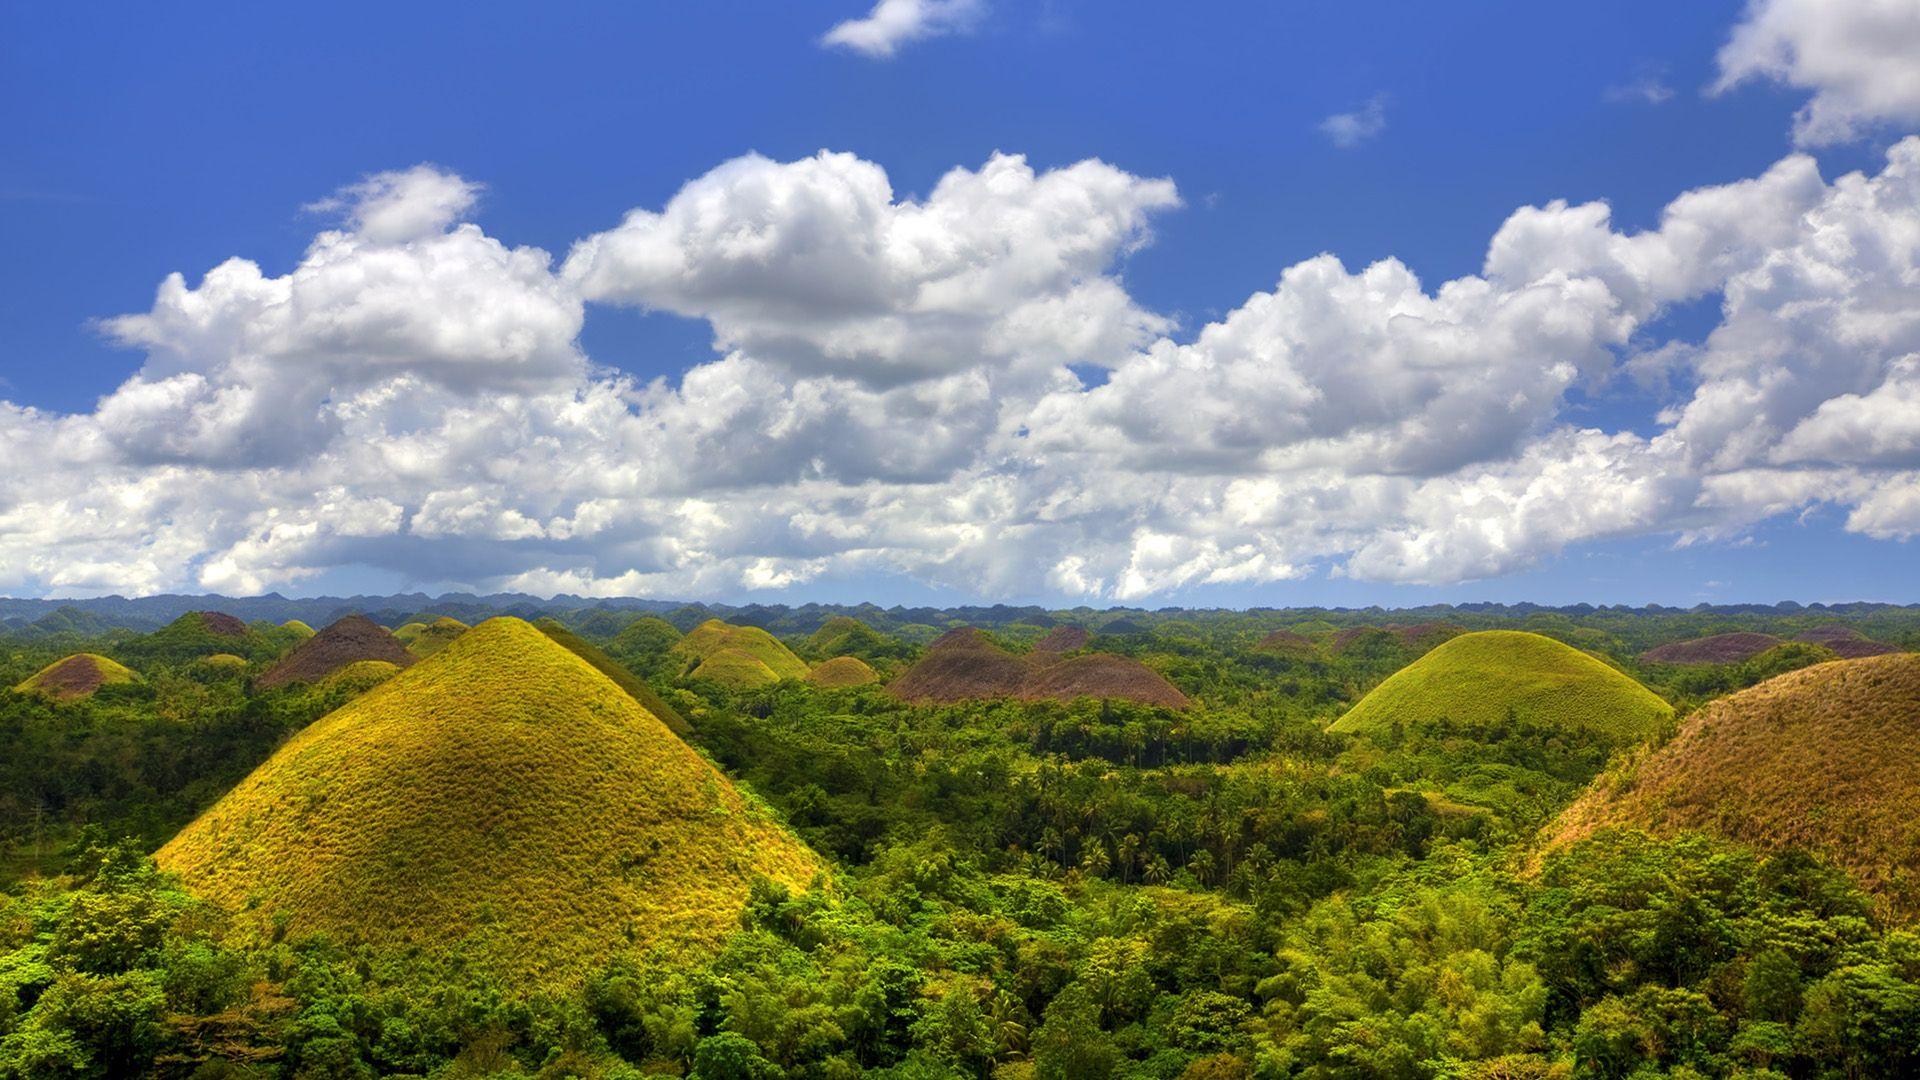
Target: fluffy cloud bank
column 1856, row 56
column 895, row 390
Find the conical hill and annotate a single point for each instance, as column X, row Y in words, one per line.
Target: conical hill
column 1826, row 759
column 76, row 677
column 713, row 637
column 347, row 641
column 502, row 800
column 1486, row 679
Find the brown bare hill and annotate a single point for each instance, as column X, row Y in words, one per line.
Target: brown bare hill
column 221, row 624
column 964, row 664
column 1408, row 635
column 77, row 676
column 1063, row 639
column 1845, row 642
column 1718, row 649
column 1286, row 643
column 347, row 641
column 1825, row 759
column 1102, row 675
column 961, row 665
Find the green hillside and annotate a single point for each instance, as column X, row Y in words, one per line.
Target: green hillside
column 735, row 669
column 714, row 636
column 841, row 672
column 299, row 629
column 502, row 800
column 425, row 639
column 1481, row 680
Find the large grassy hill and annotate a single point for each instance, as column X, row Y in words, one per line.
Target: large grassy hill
column 1825, row 759
column 711, row 638
column 1481, row 680
column 502, row 799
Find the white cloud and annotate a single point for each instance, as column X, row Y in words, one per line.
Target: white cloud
column 1856, row 56
column 1349, row 129
column 891, row 395
column 894, row 23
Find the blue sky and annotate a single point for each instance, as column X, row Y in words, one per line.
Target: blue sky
column 140, row 141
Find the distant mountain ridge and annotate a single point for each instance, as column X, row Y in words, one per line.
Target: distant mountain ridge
column 102, row 614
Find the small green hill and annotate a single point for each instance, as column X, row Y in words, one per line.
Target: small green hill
column 425, row 639
column 299, row 629
column 361, row 675
column 1480, row 680
column 734, row 669
column 843, row 671
column 502, row 801
column 77, row 676
column 713, row 637
column 200, row 634
column 608, row 666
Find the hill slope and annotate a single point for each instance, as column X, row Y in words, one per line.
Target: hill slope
column 1718, row 649
column 624, row 679
column 964, row 664
column 425, row 639
column 1826, row 758
column 502, row 799
column 1475, row 680
column 76, row 676
column 843, row 671
column 347, row 641
column 714, row 636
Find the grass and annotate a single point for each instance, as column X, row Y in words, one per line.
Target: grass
column 626, row 680
column 76, row 676
column 1484, row 679
column 502, row 801
column 734, row 669
column 299, row 628
column 361, row 675
column 713, row 636
column 843, row 671
column 1821, row 759
column 425, row 639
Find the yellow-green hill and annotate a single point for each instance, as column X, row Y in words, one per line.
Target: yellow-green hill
column 361, row 675
column 76, row 677
column 1825, row 759
column 300, row 630
column 502, row 800
column 843, row 671
column 425, row 639
column 734, row 669
column 1480, row 680
column 611, row 668
column 713, row 636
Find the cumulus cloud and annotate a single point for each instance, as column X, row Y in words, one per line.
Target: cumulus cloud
column 893, row 392
column 893, row 23
column 1856, row 56
column 1349, row 129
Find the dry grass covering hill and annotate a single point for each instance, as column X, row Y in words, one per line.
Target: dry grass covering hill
column 965, row 664
column 347, row 641
column 299, row 629
column 1826, row 758
column 611, row 668
column 1286, row 643
column 841, row 672
column 1102, row 675
column 362, row 675
column 703, row 642
column 735, row 669
column 502, row 800
column 1410, row 635
column 1063, row 639
column 1718, row 649
column 1845, row 642
column 76, row 677
column 1481, row 680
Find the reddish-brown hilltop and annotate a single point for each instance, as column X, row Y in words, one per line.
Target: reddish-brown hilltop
column 1409, row 634
column 1063, row 639
column 1102, row 675
column 1825, row 759
column 965, row 665
column 348, row 641
column 1846, row 642
column 962, row 664
column 222, row 624
column 1718, row 649
column 1286, row 643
